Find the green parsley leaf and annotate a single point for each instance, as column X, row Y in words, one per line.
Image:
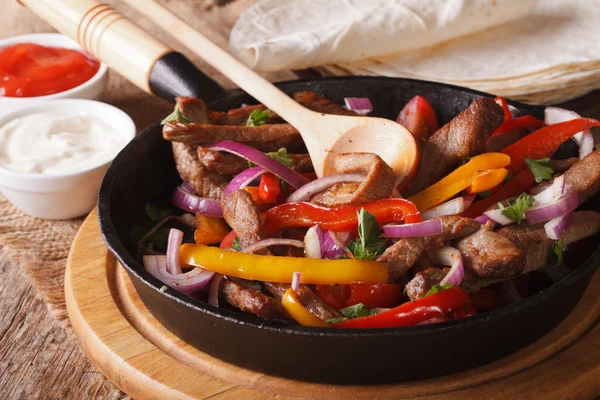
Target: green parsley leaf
column 337, row 320
column 516, row 208
column 235, row 245
column 160, row 238
column 156, row 214
column 485, row 194
column 136, row 233
column 558, row 250
column 258, row 118
column 175, row 116
column 437, row 288
column 369, row 243
column 541, row 169
column 163, row 288
column 355, row 311
column 280, row 155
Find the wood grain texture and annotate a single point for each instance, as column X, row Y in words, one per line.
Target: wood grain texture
column 146, row 360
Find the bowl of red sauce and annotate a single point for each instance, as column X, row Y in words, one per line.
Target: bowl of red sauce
column 45, row 66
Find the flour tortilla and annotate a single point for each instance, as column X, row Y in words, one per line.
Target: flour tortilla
column 293, row 34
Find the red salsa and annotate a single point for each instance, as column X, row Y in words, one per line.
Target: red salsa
column 30, row 70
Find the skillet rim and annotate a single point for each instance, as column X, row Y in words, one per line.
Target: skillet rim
column 110, row 237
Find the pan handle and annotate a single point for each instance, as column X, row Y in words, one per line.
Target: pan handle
column 132, row 52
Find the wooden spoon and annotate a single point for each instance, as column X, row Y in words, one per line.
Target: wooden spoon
column 113, row 39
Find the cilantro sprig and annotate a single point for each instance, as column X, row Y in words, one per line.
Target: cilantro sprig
column 235, row 245
column 156, row 241
column 280, row 155
column 541, row 169
column 516, row 208
column 438, row 288
column 258, row 118
column 558, row 250
column 355, row 311
column 175, row 116
column 369, row 243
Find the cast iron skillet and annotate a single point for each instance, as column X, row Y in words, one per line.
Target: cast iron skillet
column 144, row 172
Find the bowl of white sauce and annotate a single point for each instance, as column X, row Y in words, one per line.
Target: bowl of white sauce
column 54, row 154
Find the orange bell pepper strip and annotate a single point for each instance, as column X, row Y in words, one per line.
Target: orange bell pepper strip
column 343, row 218
column 487, row 180
column 412, row 312
column 524, row 122
column 292, row 305
column 514, row 187
column 210, row 230
column 458, row 180
column 503, row 103
column 543, row 142
column 280, row 269
column 253, row 190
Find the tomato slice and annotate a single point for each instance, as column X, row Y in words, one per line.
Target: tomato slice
column 419, row 118
column 334, row 295
column 227, row 241
column 384, row 295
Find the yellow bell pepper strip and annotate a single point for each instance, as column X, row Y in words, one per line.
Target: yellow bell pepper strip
column 210, row 230
column 292, row 305
column 343, row 218
column 543, row 142
column 458, row 180
column 487, row 180
column 280, row 269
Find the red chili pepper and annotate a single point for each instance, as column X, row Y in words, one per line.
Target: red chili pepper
column 227, row 241
column 343, row 218
column 514, row 187
column 502, row 102
column 411, row 313
column 485, row 299
column 543, row 142
column 524, row 122
column 269, row 187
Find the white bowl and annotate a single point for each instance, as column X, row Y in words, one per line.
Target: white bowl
column 64, row 195
column 91, row 89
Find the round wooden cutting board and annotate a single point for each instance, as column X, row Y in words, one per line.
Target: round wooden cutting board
column 147, row 361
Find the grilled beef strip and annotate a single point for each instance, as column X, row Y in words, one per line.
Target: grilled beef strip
column 205, row 183
column 229, row 164
column 402, row 255
column 501, row 141
column 314, row 102
column 241, row 214
column 307, row 297
column 531, row 239
column 254, row 301
column 378, row 183
column 560, row 166
column 584, row 175
column 239, row 116
column 265, row 137
column 466, row 135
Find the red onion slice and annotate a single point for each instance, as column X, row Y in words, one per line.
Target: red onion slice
column 242, row 179
column 202, row 205
column 213, row 290
column 360, row 105
column 556, row 226
column 584, row 139
column 425, row 228
column 188, row 188
column 188, row 282
column 552, row 193
column 452, row 207
column 586, row 144
column 563, row 206
column 497, row 216
column 313, row 242
column 451, row 257
column 173, row 244
column 253, row 248
column 318, row 185
column 296, row 281
column 261, row 159
column 332, row 247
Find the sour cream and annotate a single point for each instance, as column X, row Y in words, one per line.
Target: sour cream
column 50, row 143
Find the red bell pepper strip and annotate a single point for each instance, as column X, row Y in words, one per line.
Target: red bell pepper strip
column 269, row 187
column 334, row 295
column 463, row 311
column 543, row 142
column 382, row 295
column 524, row 122
column 514, row 187
column 502, row 102
column 411, row 313
column 343, row 218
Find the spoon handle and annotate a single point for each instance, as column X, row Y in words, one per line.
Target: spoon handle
column 244, row 77
column 115, row 40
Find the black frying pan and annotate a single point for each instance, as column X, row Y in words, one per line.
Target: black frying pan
column 144, row 172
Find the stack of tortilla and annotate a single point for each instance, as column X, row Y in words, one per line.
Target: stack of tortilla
column 537, row 51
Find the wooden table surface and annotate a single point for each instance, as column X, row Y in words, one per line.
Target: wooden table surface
column 38, row 359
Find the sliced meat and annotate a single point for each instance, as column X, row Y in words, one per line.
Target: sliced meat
column 194, row 110
column 490, row 255
column 425, row 280
column 205, row 183
column 403, row 254
column 221, row 162
column 466, row 135
column 254, row 301
column 240, row 213
column 314, row 102
column 560, row 166
column 532, row 240
column 302, row 163
column 265, row 137
column 239, row 116
column 378, row 183
column 307, row 297
column 585, row 224
column 501, row 141
column 585, row 176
